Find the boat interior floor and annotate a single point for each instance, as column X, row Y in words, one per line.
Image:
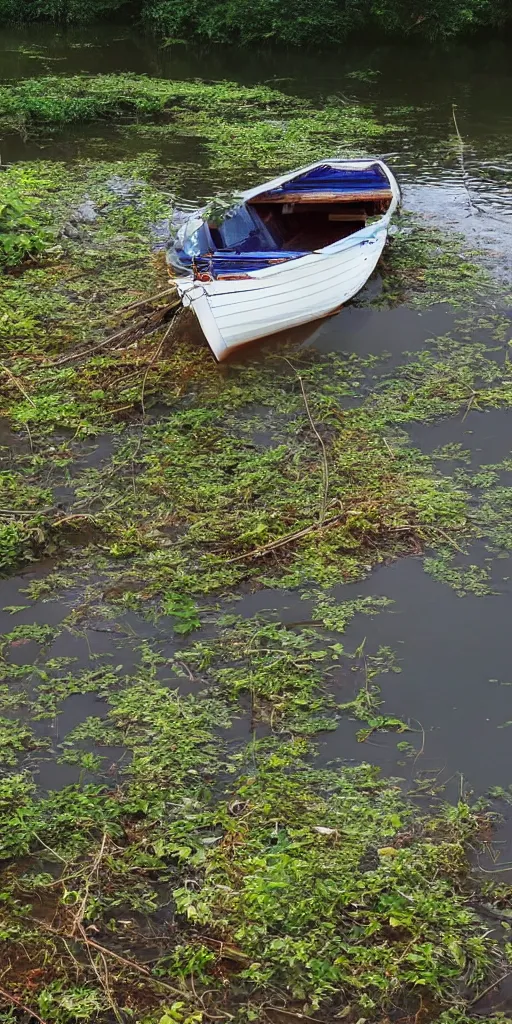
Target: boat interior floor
column 307, row 226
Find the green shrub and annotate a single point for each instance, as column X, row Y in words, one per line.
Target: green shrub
column 321, row 23
column 20, row 234
column 317, row 23
column 12, row 544
column 57, row 10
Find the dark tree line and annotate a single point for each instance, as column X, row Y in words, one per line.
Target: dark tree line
column 302, row 22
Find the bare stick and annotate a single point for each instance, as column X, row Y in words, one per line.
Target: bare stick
column 153, row 359
column 143, row 302
column 8, row 996
column 296, row 1016
column 449, row 539
column 21, row 511
column 126, row 333
column 325, row 467
column 297, row 535
column 489, row 988
column 75, row 515
column 103, row 980
column 14, row 380
column 79, row 916
column 465, row 176
column 132, row 964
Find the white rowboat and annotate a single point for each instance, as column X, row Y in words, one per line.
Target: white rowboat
column 295, row 248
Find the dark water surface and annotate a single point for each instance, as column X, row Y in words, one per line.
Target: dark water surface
column 408, row 84
column 455, row 652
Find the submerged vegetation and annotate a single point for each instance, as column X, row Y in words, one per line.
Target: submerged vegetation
column 242, row 130
column 189, row 859
column 289, row 886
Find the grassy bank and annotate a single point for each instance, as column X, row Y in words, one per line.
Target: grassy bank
column 175, row 853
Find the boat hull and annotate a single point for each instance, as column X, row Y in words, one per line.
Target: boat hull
column 233, row 313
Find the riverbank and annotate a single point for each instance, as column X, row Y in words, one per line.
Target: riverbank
column 325, row 25
column 174, row 846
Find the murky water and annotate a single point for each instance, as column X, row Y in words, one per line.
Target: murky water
column 455, row 653
column 413, row 86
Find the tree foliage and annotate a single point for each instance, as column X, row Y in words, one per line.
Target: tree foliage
column 58, row 10
column 312, row 22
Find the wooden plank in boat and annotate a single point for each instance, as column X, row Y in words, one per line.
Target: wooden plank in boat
column 352, row 217
column 376, row 195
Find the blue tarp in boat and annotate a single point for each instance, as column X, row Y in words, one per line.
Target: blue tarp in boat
column 334, row 179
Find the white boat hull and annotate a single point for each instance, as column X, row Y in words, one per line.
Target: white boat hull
column 235, row 312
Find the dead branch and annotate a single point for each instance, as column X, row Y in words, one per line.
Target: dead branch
column 144, row 302
column 489, row 988
column 325, row 466
column 14, row 380
column 9, row 998
column 79, row 916
column 296, row 1016
column 464, row 173
column 142, row 328
column 75, row 515
column 319, row 527
column 104, row 980
column 225, row 950
column 265, row 549
column 153, row 360
column 133, row 965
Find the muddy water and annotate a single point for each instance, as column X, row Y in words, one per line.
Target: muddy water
column 455, row 653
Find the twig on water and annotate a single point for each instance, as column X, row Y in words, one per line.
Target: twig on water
column 449, row 539
column 422, row 748
column 325, row 467
column 79, row 916
column 84, row 939
column 489, row 988
column 146, row 326
column 75, row 515
column 265, row 549
column 296, row 1016
column 144, row 302
column 461, row 147
column 153, row 360
column 104, row 979
column 14, row 380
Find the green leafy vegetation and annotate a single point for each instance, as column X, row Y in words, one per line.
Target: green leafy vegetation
column 326, row 22
column 287, row 889
column 60, row 100
column 239, row 129
column 199, row 865
column 325, row 885
column 20, row 236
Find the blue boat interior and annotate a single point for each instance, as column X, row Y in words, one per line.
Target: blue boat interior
column 306, row 213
